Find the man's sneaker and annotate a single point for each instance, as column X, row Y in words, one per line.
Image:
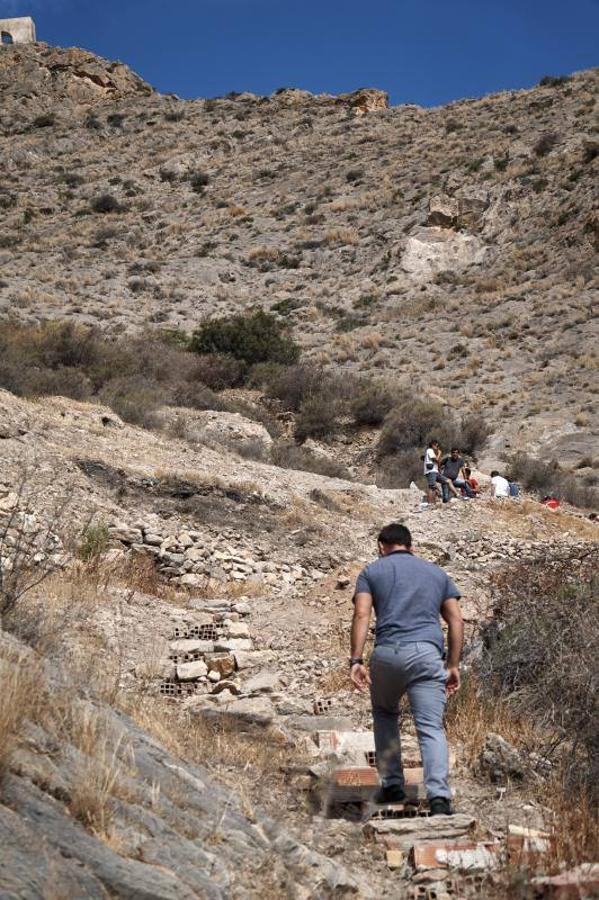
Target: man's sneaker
column 440, row 806
column 391, row 794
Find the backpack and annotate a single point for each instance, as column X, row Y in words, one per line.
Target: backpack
column 514, row 489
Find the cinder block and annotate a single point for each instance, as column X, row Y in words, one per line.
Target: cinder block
column 462, row 856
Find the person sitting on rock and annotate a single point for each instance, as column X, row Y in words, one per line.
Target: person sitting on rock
column 432, row 460
column 500, row 486
column 453, row 469
column 409, row 595
column 472, row 482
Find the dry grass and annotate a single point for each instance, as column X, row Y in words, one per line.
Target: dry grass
column 342, row 235
column 521, row 517
column 470, row 719
column 19, row 698
column 244, row 758
column 572, row 821
column 97, row 775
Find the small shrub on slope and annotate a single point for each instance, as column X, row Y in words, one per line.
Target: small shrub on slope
column 255, row 338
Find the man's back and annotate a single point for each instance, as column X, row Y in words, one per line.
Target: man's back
column 407, row 595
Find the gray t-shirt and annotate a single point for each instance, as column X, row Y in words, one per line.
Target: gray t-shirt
column 407, row 594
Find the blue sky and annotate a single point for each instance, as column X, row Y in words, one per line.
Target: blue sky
column 425, row 53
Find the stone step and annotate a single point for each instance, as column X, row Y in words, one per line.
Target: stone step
column 457, row 856
column 358, row 783
column 404, row 833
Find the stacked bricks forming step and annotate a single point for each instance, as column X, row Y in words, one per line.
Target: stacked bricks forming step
column 203, row 651
column 439, row 855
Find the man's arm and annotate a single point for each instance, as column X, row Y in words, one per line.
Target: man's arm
column 451, row 612
column 359, row 632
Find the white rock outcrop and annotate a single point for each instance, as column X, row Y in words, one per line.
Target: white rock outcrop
column 432, row 250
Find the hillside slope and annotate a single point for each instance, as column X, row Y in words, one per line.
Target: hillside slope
column 453, row 249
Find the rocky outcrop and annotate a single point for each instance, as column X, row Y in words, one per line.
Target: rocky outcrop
column 30, row 73
column 457, row 212
column 432, row 250
column 366, row 100
column 173, row 833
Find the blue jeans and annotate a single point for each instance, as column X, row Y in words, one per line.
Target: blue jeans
column 458, row 483
column 418, row 670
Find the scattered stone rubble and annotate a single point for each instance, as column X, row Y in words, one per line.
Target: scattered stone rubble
column 191, row 557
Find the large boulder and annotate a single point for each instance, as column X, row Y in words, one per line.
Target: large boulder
column 432, row 250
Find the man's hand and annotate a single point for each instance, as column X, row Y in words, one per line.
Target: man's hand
column 360, row 677
column 453, row 680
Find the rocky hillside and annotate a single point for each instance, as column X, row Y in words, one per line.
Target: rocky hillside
column 175, row 719
column 449, row 249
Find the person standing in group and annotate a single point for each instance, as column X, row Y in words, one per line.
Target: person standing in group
column 432, row 461
column 409, row 595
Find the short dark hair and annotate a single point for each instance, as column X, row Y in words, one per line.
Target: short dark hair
column 494, row 473
column 433, row 441
column 395, row 534
column 455, row 449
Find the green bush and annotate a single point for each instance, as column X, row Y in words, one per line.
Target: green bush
column 318, row 417
column 253, row 338
column 94, row 542
column 372, row 402
column 413, row 424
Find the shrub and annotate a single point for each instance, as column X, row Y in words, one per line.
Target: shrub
column 45, row 120
column 199, row 182
column 288, row 455
column 106, row 203
column 219, row 371
column 318, row 417
column 554, row 80
column 412, row 424
column 253, row 338
column 472, row 434
column 7, row 201
column 292, row 384
column 548, row 478
column 399, row 469
column 541, row 653
column 135, row 398
column 371, row 404
column 195, row 395
column 546, row 143
column 94, row 542
column 63, row 382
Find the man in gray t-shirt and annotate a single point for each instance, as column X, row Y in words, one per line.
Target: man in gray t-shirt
column 409, row 595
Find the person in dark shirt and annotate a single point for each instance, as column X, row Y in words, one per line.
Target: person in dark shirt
column 409, row 596
column 453, row 469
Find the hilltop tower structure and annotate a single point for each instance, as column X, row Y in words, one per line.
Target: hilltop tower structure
column 17, row 31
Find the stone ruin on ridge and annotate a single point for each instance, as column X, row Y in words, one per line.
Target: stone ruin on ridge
column 17, row 31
